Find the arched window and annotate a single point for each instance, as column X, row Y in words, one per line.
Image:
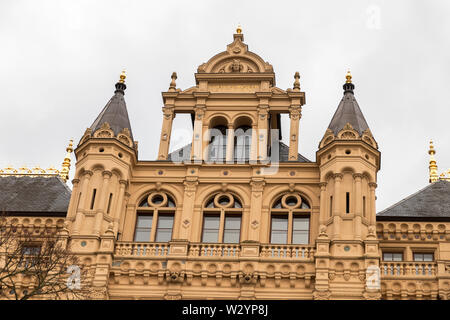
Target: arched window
column 218, row 143
column 222, row 217
column 290, row 215
column 155, row 215
column 242, row 143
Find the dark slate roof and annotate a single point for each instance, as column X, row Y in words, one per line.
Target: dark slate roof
column 185, row 152
column 40, row 194
column 115, row 113
column 433, row 201
column 348, row 111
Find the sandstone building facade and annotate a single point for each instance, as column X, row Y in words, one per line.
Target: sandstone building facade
column 237, row 214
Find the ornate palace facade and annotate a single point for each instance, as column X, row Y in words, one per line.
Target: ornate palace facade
column 237, row 214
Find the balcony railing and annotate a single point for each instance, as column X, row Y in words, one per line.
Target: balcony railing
column 398, row 269
column 214, row 250
column 142, row 249
column 284, row 251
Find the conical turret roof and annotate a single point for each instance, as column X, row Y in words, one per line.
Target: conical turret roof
column 348, row 111
column 115, row 112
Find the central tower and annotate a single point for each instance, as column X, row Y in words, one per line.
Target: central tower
column 230, row 109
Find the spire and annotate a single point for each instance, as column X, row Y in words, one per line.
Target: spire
column 348, row 111
column 432, row 164
column 64, row 173
column 115, row 112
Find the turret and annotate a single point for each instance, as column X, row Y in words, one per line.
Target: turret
column 105, row 155
column 349, row 159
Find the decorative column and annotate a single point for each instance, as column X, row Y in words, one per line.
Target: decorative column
column 72, row 210
column 119, row 205
column 294, row 115
column 166, row 132
column 190, row 188
column 358, row 205
column 254, row 145
column 80, row 210
column 255, row 209
column 372, row 211
column 337, row 205
column 230, row 144
column 197, row 141
column 263, row 124
column 103, row 196
column 323, row 203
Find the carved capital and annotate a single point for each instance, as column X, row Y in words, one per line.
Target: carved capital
column 372, row 185
column 88, row 174
column 123, row 183
column 75, row 182
column 107, row 174
column 357, row 176
column 168, row 113
column 257, row 185
column 295, row 113
column 323, row 185
column 338, row 176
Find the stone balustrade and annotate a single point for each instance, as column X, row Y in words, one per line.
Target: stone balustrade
column 408, row 269
column 141, row 249
column 284, row 251
column 215, row 250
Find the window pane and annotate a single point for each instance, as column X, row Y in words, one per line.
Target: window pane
column 163, row 235
column 301, row 223
column 428, row 257
column 232, row 222
column 300, row 237
column 165, row 221
column 144, row 222
column 142, row 235
column 211, row 222
column 231, row 236
column 279, row 223
column 393, row 256
column 397, row 257
column 210, row 236
column 164, row 229
column 278, row 237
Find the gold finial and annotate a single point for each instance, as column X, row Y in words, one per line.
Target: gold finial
column 122, row 77
column 297, row 81
column 239, row 29
column 64, row 173
column 349, row 77
column 433, row 168
column 173, row 84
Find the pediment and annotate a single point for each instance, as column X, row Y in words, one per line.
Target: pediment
column 236, row 59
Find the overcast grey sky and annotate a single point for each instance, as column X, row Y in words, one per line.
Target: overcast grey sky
column 59, row 61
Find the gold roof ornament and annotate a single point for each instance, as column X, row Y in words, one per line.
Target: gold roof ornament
column 24, row 171
column 239, row 29
column 64, row 173
column 122, row 77
column 432, row 164
column 348, row 76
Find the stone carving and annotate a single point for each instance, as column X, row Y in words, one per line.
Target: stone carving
column 321, row 295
